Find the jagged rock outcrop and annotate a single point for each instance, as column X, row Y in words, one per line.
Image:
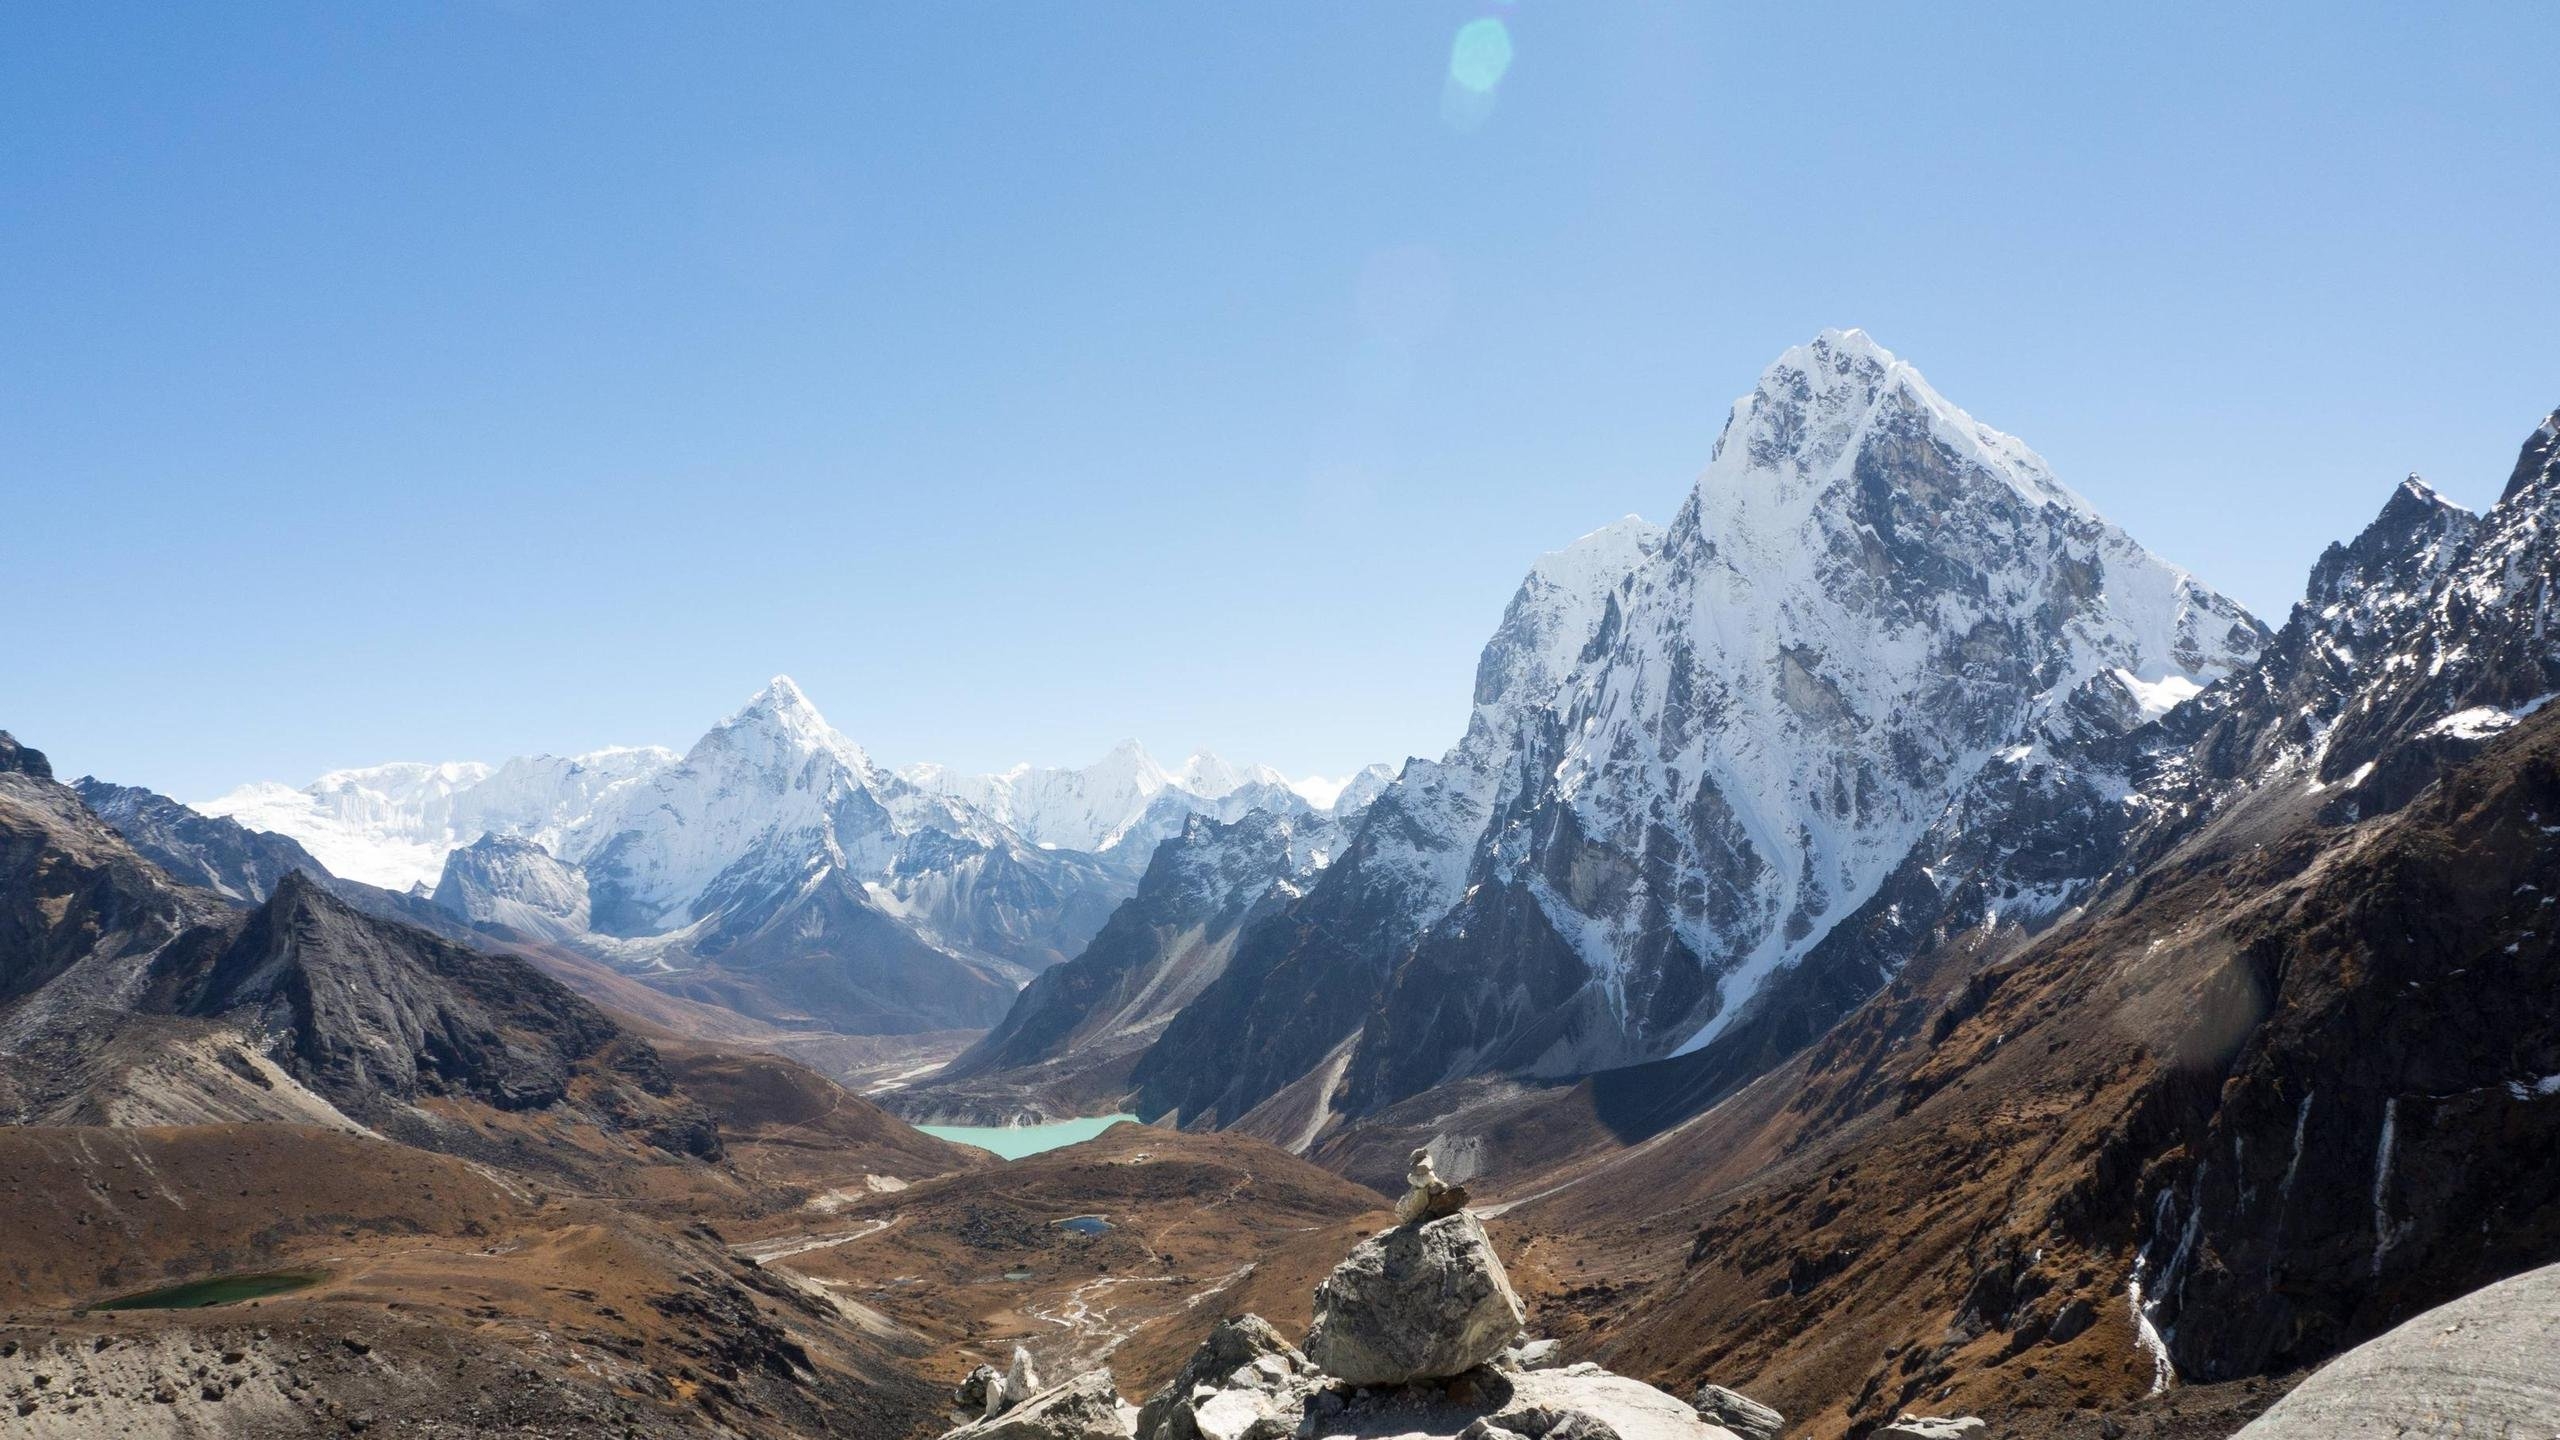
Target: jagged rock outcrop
column 231, row 860
column 1418, row 1302
column 1243, row 1356
column 17, row 759
column 1738, row 1413
column 2487, row 1364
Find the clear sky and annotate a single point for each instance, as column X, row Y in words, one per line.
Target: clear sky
column 412, row 381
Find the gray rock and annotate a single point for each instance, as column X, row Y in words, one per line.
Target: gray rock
column 2070, row 1322
column 2487, row 1364
column 1085, row 1408
column 1738, row 1413
column 1427, row 1197
column 1533, row 1355
column 1577, row 1403
column 1418, row 1302
column 1932, row 1427
column 1243, row 1354
column 972, row 1394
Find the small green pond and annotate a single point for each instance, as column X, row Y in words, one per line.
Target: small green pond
column 219, row 1290
column 1012, row 1142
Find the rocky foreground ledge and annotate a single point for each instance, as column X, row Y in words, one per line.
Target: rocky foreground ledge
column 1417, row 1336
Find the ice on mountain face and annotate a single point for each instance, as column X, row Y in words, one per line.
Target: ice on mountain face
column 1867, row 597
column 1695, row 750
column 1349, row 795
column 392, row 825
column 2156, row 698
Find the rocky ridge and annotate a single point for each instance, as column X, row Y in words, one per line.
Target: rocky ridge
column 1723, row 778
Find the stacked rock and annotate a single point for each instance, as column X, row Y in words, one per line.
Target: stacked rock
column 1417, row 1334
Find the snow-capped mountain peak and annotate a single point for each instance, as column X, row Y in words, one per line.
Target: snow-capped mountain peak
column 781, row 717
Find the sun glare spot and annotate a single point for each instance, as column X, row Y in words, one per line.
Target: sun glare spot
column 1481, row 55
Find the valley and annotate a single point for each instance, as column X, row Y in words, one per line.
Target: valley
column 1885, row 943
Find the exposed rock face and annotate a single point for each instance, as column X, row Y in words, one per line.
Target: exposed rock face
column 510, row 881
column 17, row 759
column 1877, row 636
column 2416, row 644
column 1075, row 1031
column 1244, row 1355
column 1738, row 1413
column 2488, row 1364
column 237, row 863
column 1306, row 979
column 1085, row 1408
column 1418, row 1302
column 2295, row 1074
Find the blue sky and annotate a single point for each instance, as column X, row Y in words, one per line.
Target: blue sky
column 410, row 381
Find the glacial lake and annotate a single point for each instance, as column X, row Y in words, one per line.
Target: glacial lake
column 220, row 1290
column 1012, row 1142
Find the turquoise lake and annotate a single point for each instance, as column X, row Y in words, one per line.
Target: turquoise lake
column 1012, row 1142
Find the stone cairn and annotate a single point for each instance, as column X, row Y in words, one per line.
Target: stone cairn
column 1417, row 1334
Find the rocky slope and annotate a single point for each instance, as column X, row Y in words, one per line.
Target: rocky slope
column 127, row 998
column 219, row 855
column 1723, row 779
column 1067, row 1045
column 2285, row 1084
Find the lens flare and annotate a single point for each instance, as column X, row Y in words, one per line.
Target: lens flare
column 1481, row 55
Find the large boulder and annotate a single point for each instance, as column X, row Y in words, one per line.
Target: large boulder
column 1738, row 1413
column 1243, row 1382
column 1085, row 1408
column 1578, row 1402
column 1418, row 1302
column 2487, row 1364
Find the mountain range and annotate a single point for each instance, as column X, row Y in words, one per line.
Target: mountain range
column 773, row 868
column 1884, row 940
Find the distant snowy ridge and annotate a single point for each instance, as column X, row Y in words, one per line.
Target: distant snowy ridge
column 1127, row 798
column 392, row 825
